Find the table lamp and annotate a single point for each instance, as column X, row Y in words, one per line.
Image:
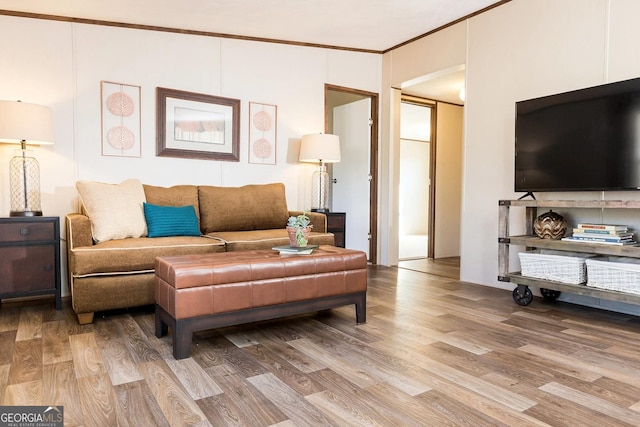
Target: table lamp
column 320, row 148
column 23, row 123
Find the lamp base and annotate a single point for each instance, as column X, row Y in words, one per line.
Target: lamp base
column 25, row 213
column 24, row 180
column 320, row 189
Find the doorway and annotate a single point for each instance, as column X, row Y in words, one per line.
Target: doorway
column 444, row 183
column 352, row 114
column 417, row 158
column 443, row 90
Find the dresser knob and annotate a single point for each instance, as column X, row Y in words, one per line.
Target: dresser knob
column 24, row 231
column 48, row 267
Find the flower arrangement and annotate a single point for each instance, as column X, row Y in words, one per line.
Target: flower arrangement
column 299, row 227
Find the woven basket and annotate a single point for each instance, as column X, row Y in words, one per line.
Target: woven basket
column 616, row 274
column 566, row 268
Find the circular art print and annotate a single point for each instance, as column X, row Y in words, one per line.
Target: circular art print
column 121, row 138
column 120, row 104
column 262, row 149
column 262, row 121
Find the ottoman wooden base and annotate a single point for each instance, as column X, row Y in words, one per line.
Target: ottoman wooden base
column 183, row 329
column 195, row 293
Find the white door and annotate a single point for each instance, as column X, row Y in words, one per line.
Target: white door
column 351, row 188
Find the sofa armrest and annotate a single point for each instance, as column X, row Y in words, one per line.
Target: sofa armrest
column 318, row 220
column 78, row 231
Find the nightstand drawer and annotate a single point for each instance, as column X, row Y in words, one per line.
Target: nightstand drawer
column 28, row 268
column 27, row 231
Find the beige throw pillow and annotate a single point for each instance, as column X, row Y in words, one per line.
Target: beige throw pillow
column 115, row 210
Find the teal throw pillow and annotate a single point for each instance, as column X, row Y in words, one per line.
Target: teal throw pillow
column 164, row 221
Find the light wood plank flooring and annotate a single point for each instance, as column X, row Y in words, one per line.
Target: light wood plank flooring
column 434, row 352
column 445, row 267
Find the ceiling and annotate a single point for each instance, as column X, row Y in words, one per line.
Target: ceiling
column 375, row 25
column 362, row 25
column 442, row 86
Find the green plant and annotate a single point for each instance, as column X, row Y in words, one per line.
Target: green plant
column 300, row 223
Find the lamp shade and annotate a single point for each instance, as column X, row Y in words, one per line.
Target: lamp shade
column 320, row 147
column 21, row 121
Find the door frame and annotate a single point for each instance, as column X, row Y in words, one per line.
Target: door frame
column 373, row 158
column 431, row 191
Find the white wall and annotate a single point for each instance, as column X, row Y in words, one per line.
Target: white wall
column 37, row 67
column 443, row 50
column 413, row 191
column 519, row 50
column 61, row 65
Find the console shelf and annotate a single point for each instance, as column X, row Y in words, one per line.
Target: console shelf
column 550, row 289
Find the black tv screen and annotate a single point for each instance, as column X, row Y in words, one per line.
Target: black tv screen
column 582, row 140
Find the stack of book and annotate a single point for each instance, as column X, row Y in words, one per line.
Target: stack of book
column 607, row 234
column 294, row 250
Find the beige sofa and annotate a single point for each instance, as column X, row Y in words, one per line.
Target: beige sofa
column 111, row 256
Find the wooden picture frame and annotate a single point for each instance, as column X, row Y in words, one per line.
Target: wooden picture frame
column 197, row 126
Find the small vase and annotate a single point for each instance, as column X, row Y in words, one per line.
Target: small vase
column 298, row 237
column 550, row 225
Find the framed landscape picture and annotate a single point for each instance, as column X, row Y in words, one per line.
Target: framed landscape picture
column 197, row 126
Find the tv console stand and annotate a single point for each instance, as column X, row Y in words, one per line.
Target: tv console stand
column 550, row 290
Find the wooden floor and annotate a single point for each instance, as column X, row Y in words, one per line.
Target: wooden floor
column 433, row 352
column 445, row 267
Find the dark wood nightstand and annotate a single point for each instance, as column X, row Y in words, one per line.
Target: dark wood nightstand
column 30, row 257
column 337, row 224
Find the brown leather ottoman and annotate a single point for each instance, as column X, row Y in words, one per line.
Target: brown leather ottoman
column 199, row 292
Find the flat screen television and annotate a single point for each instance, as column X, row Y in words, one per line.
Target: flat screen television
column 583, row 140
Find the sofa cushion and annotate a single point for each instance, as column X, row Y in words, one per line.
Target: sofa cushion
column 124, row 256
column 251, row 207
column 115, row 210
column 178, row 195
column 166, row 221
column 265, row 239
